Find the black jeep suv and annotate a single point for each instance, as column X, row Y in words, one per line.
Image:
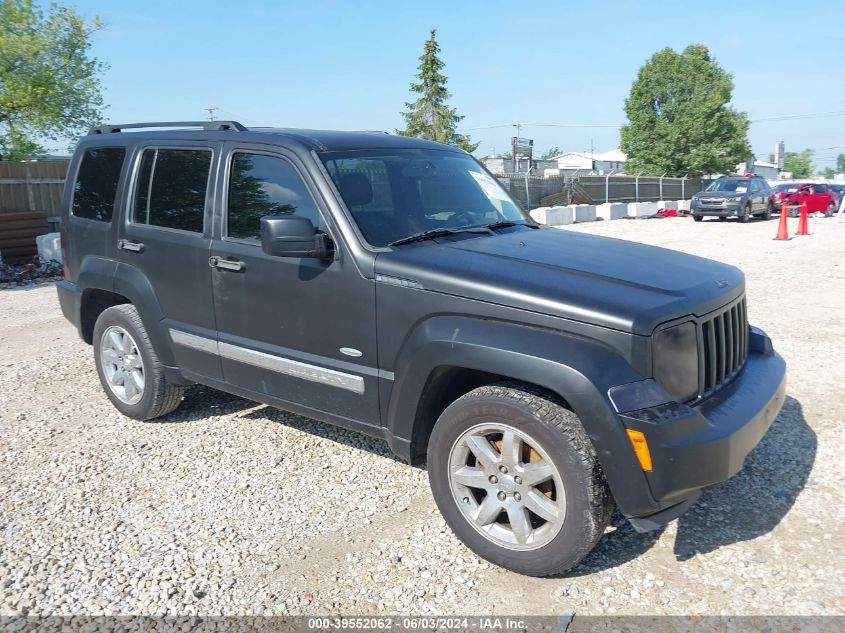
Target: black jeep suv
column 389, row 285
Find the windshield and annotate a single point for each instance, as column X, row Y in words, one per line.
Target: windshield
column 396, row 193
column 788, row 188
column 729, row 184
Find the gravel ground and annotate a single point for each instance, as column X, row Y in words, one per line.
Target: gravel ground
column 228, row 507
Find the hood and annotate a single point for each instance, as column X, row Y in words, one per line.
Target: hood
column 607, row 282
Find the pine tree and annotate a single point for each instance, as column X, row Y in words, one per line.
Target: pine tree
column 429, row 117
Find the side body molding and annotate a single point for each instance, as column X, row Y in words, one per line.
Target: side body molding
column 578, row 369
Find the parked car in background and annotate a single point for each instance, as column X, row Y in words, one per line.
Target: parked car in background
column 782, row 191
column 817, row 196
column 838, row 191
column 733, row 196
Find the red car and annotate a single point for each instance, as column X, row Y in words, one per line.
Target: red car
column 817, row 197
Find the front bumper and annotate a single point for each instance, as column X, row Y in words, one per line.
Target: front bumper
column 725, row 210
column 696, row 446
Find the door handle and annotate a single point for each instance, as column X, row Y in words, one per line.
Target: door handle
column 128, row 245
column 226, row 264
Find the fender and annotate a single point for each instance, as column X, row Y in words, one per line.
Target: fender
column 130, row 282
column 579, row 370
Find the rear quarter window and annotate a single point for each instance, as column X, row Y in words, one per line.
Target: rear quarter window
column 95, row 188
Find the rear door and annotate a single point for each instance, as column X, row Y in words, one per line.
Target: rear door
column 166, row 238
column 299, row 329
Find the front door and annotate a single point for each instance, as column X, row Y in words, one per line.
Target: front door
column 299, row 329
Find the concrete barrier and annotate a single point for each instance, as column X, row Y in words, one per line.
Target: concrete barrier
column 585, row 213
column 612, row 210
column 684, row 205
column 641, row 209
column 49, row 247
column 667, row 204
column 558, row 216
column 539, row 214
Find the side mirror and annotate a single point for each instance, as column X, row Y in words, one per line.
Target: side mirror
column 292, row 236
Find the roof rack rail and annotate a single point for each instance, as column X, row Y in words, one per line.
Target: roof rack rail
column 210, row 126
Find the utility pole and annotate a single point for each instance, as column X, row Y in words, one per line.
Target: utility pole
column 210, row 111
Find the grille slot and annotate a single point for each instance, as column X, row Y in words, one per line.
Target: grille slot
column 724, row 342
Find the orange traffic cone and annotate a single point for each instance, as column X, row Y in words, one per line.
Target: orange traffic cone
column 802, row 222
column 783, row 232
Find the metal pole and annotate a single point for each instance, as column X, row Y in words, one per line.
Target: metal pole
column 683, row 196
column 527, row 195
column 637, row 188
column 607, row 186
column 661, row 185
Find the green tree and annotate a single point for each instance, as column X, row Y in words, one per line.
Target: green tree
column 799, row 163
column 679, row 120
column 550, row 153
column 49, row 84
column 840, row 163
column 827, row 172
column 429, row 117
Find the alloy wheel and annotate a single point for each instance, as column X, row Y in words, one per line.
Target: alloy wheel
column 123, row 366
column 506, row 486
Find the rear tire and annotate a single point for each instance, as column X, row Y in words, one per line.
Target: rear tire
column 484, row 451
column 831, row 208
column 129, row 368
column 768, row 214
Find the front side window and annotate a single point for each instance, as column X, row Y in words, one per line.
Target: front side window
column 395, row 193
column 262, row 185
column 95, row 189
column 171, row 188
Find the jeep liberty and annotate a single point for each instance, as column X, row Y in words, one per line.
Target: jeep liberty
column 390, row 285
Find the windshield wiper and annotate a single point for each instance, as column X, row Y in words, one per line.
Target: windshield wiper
column 503, row 224
column 431, row 234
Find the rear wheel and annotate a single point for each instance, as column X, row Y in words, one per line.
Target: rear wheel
column 128, row 366
column 517, row 479
column 831, row 208
column 768, row 214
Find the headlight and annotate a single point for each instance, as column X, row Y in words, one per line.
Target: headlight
column 676, row 360
column 735, row 199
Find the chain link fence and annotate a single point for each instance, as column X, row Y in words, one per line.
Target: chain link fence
column 530, row 191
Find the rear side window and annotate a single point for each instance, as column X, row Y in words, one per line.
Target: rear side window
column 95, row 189
column 265, row 185
column 171, row 188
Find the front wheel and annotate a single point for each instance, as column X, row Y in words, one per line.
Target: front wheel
column 697, row 218
column 831, row 208
column 128, row 366
column 516, row 478
column 745, row 216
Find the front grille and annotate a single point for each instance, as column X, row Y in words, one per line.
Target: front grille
column 724, row 346
column 713, row 202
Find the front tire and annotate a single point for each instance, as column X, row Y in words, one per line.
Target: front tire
column 697, row 218
column 129, row 368
column 746, row 214
column 516, row 478
column 831, row 208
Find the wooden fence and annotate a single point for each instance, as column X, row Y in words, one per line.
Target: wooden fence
column 32, row 186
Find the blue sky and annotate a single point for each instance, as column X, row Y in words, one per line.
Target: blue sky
column 347, row 65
